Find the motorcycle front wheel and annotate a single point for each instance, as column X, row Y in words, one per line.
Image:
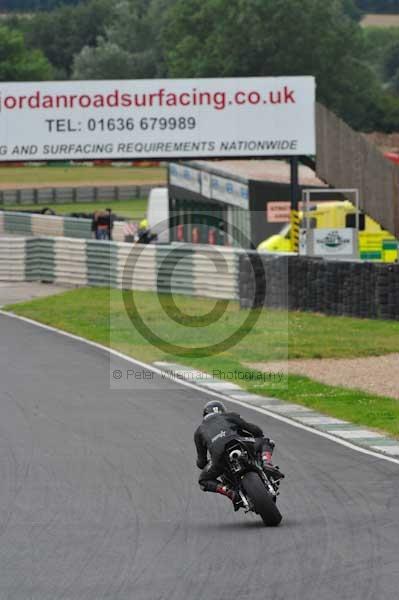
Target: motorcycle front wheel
column 261, row 499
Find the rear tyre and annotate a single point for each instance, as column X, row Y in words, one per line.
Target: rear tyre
column 261, row 499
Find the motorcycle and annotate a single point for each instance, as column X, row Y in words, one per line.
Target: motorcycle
column 257, row 485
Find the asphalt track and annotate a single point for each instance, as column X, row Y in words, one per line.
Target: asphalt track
column 99, row 499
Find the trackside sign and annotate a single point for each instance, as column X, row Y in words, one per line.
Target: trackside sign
column 171, row 118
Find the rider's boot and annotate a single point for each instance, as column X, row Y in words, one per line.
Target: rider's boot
column 266, row 458
column 234, row 496
column 267, row 452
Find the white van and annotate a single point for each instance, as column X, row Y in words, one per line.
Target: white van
column 158, row 214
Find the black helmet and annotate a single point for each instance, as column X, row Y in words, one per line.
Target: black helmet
column 214, row 406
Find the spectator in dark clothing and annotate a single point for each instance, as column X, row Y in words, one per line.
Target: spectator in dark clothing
column 102, row 224
column 111, row 219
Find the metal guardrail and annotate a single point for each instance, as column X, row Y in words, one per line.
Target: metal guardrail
column 69, row 195
column 192, row 270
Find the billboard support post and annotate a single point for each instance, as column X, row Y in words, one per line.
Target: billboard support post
column 294, row 182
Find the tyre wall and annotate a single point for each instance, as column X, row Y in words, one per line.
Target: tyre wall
column 357, row 289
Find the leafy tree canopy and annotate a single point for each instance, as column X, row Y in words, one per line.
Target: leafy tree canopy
column 19, row 64
column 274, row 37
column 132, row 38
column 62, row 33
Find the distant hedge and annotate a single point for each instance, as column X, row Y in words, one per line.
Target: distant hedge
column 378, row 6
column 29, row 5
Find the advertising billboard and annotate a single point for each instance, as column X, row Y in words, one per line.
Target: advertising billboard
column 158, row 119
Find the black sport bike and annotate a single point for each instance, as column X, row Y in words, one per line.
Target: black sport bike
column 257, row 486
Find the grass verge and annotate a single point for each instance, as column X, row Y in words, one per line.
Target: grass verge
column 134, row 209
column 100, row 315
column 14, row 177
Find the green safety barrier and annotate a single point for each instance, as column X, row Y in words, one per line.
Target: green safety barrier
column 174, row 269
column 77, row 228
column 40, row 259
column 102, row 258
column 17, row 223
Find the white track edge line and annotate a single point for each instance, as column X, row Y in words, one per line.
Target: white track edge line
column 207, row 392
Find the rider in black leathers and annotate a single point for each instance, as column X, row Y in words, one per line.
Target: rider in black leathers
column 217, row 428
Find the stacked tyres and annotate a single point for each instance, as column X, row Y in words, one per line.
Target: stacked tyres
column 320, row 286
column 252, row 283
column 387, row 283
column 276, row 275
column 367, row 305
column 350, row 290
column 358, row 287
column 294, row 285
column 348, row 308
column 337, row 274
column 294, row 291
column 282, row 291
column 246, row 283
column 345, row 275
column 312, row 300
column 355, row 289
column 383, row 292
column 262, row 501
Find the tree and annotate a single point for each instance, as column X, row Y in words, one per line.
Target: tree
column 350, row 9
column 106, row 61
column 394, row 85
column 62, row 33
column 391, row 63
column 19, row 64
column 131, row 39
column 271, row 38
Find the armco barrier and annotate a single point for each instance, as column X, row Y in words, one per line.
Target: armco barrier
column 47, row 225
column 136, row 267
column 53, row 226
column 192, row 270
column 357, row 289
column 68, row 195
column 70, row 262
column 12, row 259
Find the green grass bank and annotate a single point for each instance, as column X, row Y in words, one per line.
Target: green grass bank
column 133, row 209
column 100, row 315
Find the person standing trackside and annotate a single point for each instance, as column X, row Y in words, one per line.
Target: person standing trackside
column 111, row 219
column 102, row 224
column 144, row 235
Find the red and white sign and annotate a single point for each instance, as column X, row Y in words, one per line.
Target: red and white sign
column 278, row 212
column 157, row 119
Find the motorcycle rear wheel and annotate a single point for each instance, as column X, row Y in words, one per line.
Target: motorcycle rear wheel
column 262, row 500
